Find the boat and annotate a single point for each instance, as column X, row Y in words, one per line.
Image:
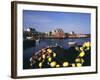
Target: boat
column 72, row 43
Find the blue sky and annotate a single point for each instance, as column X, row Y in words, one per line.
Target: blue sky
column 45, row 21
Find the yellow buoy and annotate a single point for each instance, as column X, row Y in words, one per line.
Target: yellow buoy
column 77, row 48
column 87, row 48
column 78, row 64
column 77, row 60
column 65, row 64
column 40, row 64
column 54, row 54
column 49, row 50
column 57, row 65
column 82, row 54
column 39, row 58
column 73, row 64
column 43, row 56
column 81, row 48
column 53, row 64
column 86, row 44
column 43, row 50
column 49, row 59
column 82, row 60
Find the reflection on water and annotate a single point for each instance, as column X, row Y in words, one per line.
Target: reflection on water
column 27, row 53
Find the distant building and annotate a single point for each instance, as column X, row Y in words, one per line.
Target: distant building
column 31, row 33
column 59, row 33
column 81, row 35
column 72, row 33
column 31, row 29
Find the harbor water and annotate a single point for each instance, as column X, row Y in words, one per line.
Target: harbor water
column 42, row 43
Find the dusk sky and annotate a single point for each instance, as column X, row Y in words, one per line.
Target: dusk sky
column 44, row 21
